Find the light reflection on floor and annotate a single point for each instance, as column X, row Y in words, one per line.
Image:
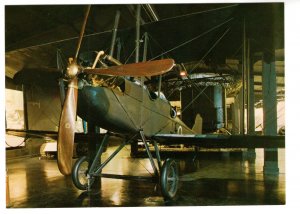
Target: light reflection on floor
column 211, row 179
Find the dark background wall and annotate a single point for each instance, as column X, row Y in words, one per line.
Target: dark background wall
column 203, row 105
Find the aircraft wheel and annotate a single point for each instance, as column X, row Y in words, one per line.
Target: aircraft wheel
column 79, row 173
column 169, row 179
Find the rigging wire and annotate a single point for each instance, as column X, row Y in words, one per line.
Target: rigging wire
column 193, row 39
column 200, row 12
column 193, row 100
column 211, row 48
column 134, row 50
column 139, row 162
column 65, row 40
column 237, row 50
column 109, row 31
column 159, row 45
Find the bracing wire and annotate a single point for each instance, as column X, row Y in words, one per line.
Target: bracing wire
column 133, row 51
column 193, row 39
column 140, row 163
column 211, row 48
column 193, row 100
column 200, row 12
column 162, row 49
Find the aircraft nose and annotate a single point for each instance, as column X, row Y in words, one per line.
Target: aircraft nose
column 72, row 70
column 93, row 104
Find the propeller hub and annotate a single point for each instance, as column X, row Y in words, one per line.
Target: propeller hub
column 73, row 70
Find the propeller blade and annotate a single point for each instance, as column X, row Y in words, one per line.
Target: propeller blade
column 82, row 31
column 66, row 131
column 149, row 68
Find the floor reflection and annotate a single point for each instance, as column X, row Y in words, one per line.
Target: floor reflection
column 209, row 179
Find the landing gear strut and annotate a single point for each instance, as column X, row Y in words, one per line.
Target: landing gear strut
column 84, row 175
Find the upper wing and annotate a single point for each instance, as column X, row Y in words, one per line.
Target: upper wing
column 149, row 68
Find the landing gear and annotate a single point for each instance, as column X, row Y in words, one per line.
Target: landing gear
column 169, row 179
column 80, row 175
column 167, row 174
column 84, row 172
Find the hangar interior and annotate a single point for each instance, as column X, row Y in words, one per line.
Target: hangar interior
column 229, row 69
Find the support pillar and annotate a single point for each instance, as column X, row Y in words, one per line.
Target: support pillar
column 225, row 109
column 270, row 112
column 134, row 145
column 118, row 49
column 250, row 104
column 241, row 112
column 114, row 33
column 137, row 35
column 218, row 104
column 250, row 100
column 235, row 117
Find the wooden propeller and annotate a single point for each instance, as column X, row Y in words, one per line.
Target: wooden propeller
column 66, row 131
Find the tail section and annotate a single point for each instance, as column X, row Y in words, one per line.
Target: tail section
column 197, row 128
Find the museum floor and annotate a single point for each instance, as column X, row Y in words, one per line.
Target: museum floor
column 219, row 178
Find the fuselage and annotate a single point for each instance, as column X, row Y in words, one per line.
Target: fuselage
column 128, row 109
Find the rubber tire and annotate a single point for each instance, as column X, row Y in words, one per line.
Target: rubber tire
column 169, row 170
column 75, row 173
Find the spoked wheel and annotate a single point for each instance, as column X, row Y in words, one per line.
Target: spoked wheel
column 79, row 173
column 169, row 179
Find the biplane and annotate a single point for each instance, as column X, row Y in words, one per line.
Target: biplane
column 108, row 97
column 112, row 95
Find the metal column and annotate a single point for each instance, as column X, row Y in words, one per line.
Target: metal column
column 118, row 49
column 134, row 145
column 235, row 117
column 218, row 104
column 241, row 110
column 250, row 95
column 137, row 36
column 270, row 112
column 242, row 121
column 145, row 52
column 250, row 100
column 114, row 33
column 225, row 108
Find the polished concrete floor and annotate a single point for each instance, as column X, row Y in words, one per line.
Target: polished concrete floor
column 206, row 179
